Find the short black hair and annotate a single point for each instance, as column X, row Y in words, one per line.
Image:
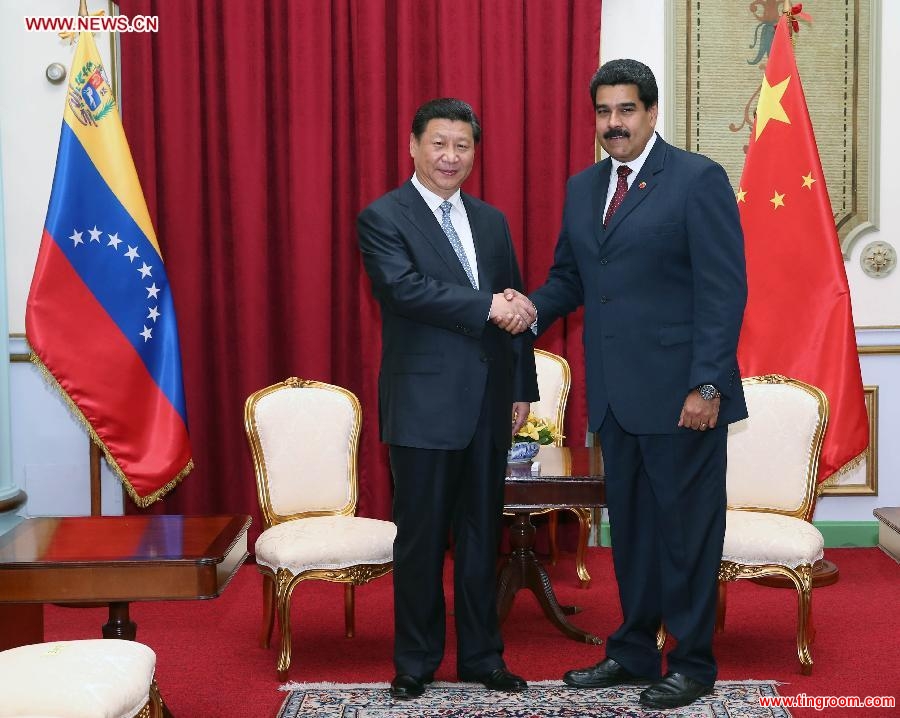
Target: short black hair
column 627, row 72
column 446, row 108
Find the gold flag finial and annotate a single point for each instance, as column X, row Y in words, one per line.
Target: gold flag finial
column 791, row 11
column 82, row 8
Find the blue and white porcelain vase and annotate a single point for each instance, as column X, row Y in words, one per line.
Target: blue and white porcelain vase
column 522, row 451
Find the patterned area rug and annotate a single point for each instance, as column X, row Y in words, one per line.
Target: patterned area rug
column 546, row 699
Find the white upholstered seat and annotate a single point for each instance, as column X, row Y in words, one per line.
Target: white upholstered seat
column 304, row 436
column 773, row 460
column 102, row 678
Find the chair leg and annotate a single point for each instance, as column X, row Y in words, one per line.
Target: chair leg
column 552, row 526
column 721, row 605
column 283, row 591
column 157, row 706
column 349, row 610
column 268, row 618
column 803, row 582
column 584, row 532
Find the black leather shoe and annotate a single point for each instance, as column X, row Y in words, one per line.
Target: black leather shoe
column 674, row 691
column 405, row 687
column 499, row 679
column 603, row 675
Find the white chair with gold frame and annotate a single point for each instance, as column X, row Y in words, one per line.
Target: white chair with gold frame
column 304, row 436
column 80, row 679
column 773, row 461
column 554, row 381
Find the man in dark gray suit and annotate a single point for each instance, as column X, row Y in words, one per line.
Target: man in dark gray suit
column 651, row 245
column 453, row 388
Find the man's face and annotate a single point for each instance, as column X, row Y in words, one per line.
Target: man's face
column 443, row 155
column 624, row 125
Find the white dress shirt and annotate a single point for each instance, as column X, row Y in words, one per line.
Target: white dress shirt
column 458, row 218
column 635, row 166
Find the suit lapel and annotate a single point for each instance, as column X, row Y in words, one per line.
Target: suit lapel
column 480, row 238
column 643, row 185
column 599, row 189
column 421, row 217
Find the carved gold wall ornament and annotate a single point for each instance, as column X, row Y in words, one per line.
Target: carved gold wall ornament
column 878, row 259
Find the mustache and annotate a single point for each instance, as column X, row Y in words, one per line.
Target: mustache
column 616, row 133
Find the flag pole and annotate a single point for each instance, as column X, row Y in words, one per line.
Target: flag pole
column 94, row 455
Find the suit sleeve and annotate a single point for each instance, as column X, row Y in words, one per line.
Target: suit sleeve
column 405, row 290
column 525, row 387
column 719, row 274
column 563, row 291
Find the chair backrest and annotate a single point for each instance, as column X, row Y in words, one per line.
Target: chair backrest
column 773, row 455
column 554, row 379
column 303, row 436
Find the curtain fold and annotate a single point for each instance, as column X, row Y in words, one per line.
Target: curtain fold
column 260, row 130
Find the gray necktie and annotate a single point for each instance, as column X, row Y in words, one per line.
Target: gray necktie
column 447, row 226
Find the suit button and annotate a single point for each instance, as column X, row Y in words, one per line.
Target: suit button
column 604, row 261
column 484, row 358
column 604, row 299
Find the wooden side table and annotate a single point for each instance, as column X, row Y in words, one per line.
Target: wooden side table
column 570, row 477
column 116, row 560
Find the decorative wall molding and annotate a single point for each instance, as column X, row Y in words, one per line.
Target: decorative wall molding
column 864, row 480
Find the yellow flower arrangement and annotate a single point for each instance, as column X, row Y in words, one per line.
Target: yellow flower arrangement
column 540, row 430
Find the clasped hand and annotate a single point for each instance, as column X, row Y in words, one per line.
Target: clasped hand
column 512, row 311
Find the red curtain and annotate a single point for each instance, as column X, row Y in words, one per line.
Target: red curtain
column 260, row 129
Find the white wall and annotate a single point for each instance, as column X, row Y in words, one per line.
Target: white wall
column 876, row 302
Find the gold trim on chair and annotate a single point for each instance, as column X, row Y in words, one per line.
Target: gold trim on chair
column 559, row 419
column 805, row 510
column 800, row 576
column 584, row 516
column 283, row 549
column 270, row 517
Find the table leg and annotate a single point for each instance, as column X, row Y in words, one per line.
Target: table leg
column 523, row 570
column 120, row 624
column 21, row 624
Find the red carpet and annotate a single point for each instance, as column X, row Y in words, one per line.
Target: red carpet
column 209, row 665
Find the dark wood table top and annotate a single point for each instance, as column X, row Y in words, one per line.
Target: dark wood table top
column 567, row 477
column 121, row 558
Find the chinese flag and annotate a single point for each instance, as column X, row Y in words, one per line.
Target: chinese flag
column 798, row 320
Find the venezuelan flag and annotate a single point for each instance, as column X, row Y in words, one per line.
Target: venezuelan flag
column 100, row 318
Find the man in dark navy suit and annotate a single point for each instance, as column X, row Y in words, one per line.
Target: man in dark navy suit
column 453, row 388
column 651, row 245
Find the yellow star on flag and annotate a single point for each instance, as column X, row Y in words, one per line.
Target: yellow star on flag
column 808, row 180
column 777, row 200
column 741, row 193
column 769, row 105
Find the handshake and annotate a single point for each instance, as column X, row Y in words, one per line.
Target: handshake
column 512, row 311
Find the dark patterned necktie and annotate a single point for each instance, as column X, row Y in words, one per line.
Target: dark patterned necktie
column 619, row 194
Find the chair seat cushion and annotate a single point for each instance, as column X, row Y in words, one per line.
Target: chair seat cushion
column 324, row 542
column 102, row 678
column 756, row 538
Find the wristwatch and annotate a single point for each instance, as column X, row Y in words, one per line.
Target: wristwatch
column 708, row 392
